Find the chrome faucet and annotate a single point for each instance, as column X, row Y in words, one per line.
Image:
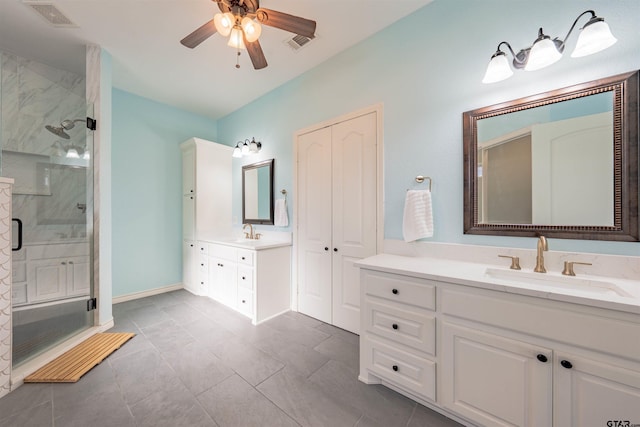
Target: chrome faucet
column 542, row 246
column 250, row 234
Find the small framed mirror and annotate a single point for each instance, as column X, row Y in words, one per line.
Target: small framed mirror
column 562, row 163
column 257, row 193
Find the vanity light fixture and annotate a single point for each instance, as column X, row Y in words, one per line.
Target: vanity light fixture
column 246, row 148
column 594, row 36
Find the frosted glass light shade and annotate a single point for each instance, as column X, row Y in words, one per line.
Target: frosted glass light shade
column 498, row 69
column 235, row 39
column 72, row 153
column 251, row 28
column 224, row 22
column 237, row 153
column 245, row 148
column 543, row 53
column 593, row 38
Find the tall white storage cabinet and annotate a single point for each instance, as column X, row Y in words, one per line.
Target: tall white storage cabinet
column 206, row 204
column 337, row 217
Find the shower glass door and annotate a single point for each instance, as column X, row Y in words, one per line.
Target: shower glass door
column 47, row 149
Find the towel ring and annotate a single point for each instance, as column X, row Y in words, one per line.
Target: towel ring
column 420, row 179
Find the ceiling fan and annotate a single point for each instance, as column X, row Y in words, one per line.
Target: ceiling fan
column 238, row 21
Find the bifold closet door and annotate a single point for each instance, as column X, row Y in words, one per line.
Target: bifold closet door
column 314, row 224
column 336, row 218
column 354, row 213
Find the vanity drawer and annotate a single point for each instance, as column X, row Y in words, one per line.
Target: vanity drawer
column 18, row 272
column 224, row 252
column 245, row 302
column 245, row 257
column 245, row 278
column 203, row 248
column 203, row 264
column 402, row 289
column 415, row 329
column 400, row 368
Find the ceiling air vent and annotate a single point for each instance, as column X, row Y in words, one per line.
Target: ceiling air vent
column 51, row 13
column 298, row 42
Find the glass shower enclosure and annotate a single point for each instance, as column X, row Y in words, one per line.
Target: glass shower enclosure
column 47, row 149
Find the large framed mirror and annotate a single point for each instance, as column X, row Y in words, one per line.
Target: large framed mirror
column 257, row 193
column 562, row 163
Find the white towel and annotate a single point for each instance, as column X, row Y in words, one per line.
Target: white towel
column 281, row 218
column 418, row 217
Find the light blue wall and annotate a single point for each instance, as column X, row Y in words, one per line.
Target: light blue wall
column 146, row 183
column 426, row 70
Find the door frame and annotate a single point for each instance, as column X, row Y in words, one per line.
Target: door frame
column 378, row 109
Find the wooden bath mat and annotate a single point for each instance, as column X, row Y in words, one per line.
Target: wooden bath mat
column 76, row 362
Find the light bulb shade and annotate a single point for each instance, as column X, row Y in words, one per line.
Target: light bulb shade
column 236, row 39
column 224, row 23
column 72, row 153
column 543, row 53
column 498, row 68
column 594, row 37
column 237, row 153
column 245, row 148
column 255, row 147
column 251, row 28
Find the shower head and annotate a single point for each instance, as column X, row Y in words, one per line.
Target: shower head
column 59, row 131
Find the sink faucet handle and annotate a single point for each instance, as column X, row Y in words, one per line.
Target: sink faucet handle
column 568, row 267
column 515, row 261
column 258, row 236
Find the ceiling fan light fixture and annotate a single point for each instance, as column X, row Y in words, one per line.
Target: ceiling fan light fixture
column 236, row 39
column 251, row 28
column 224, row 23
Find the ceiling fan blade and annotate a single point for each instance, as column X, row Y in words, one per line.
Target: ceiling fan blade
column 255, row 53
column 199, row 35
column 284, row 21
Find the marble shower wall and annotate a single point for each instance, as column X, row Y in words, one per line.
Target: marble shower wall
column 33, row 95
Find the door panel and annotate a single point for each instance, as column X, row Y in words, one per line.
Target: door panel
column 314, row 224
column 354, row 213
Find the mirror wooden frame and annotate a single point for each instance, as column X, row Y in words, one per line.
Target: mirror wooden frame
column 625, row 142
column 245, row 168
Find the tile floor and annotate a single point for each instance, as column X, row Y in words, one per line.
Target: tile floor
column 196, row 363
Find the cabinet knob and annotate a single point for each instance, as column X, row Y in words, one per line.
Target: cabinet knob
column 541, row 357
column 191, row 245
column 326, row 248
column 335, row 249
column 395, row 291
column 191, row 197
column 395, row 368
column 70, row 262
column 243, row 301
column 191, row 191
column 394, row 326
column 63, row 263
column 202, row 283
column 244, row 278
column 202, row 265
column 243, row 258
column 566, row 364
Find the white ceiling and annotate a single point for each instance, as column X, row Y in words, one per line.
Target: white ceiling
column 143, row 38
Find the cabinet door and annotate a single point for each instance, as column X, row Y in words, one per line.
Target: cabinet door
column 591, row 393
column 47, row 279
column 314, row 224
column 354, row 206
column 495, row 381
column 188, row 217
column 223, row 281
column 188, row 261
column 188, row 171
column 78, row 276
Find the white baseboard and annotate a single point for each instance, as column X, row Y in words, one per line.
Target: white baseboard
column 147, row 293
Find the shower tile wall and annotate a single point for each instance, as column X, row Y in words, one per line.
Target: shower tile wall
column 33, row 95
column 5, row 287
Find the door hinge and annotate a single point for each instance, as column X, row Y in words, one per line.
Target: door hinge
column 91, row 123
column 92, row 304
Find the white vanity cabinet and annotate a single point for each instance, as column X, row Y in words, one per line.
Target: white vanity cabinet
column 206, row 204
column 254, row 282
column 493, row 358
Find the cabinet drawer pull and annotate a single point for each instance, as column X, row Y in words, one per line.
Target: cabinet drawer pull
column 63, row 263
column 395, row 368
column 395, row 291
column 566, row 364
column 326, row 248
column 71, row 262
column 243, row 301
column 191, row 245
column 541, row 357
column 394, row 326
column 202, row 265
column 202, row 283
column 243, row 258
column 244, row 278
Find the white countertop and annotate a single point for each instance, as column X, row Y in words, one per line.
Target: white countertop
column 254, row 245
column 471, row 274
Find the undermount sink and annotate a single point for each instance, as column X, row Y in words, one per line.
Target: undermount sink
column 557, row 281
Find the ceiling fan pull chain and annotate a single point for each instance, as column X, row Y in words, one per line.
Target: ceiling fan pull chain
column 238, row 59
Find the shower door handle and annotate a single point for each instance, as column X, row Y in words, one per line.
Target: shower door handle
column 19, row 221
